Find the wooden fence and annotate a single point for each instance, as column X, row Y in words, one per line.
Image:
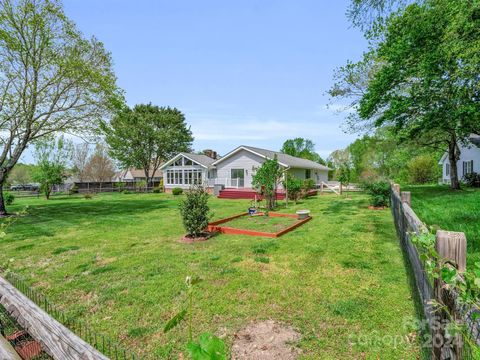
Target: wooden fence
column 449, row 245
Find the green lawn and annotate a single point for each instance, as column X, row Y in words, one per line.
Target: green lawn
column 261, row 223
column 116, row 262
column 453, row 210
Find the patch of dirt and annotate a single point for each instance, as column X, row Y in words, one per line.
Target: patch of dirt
column 371, row 207
column 266, row 340
column 190, row 239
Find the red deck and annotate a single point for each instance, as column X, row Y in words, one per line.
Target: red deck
column 245, row 193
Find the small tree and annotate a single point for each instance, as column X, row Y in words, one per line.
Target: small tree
column 52, row 160
column 99, row 167
column 195, row 211
column 423, row 169
column 344, row 176
column 294, row 187
column 266, row 180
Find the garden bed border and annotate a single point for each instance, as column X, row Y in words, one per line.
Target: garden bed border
column 214, row 225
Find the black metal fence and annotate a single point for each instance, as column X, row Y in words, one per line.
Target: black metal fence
column 101, row 342
column 407, row 224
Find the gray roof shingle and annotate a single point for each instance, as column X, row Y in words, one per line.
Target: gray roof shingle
column 200, row 158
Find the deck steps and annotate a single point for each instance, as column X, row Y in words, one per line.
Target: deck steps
column 244, row 194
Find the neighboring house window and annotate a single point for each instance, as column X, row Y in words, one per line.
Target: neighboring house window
column 467, row 167
column 447, row 169
column 308, row 174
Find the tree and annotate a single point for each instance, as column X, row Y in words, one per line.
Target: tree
column 344, row 175
column 293, row 186
column 99, row 167
column 425, row 86
column 266, row 179
column 302, row 148
column 423, row 169
column 80, row 156
column 52, row 158
column 195, row 211
column 21, row 174
column 52, row 80
column 143, row 137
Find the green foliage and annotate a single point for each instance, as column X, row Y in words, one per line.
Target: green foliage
column 195, row 211
column 379, row 192
column 308, row 184
column 126, row 192
column 472, row 179
column 157, row 190
column 88, row 196
column 294, row 187
column 262, row 259
column 209, row 347
column 423, row 169
column 177, row 191
column 146, row 135
column 266, row 180
column 73, row 190
column 302, row 148
column 9, row 198
column 51, row 157
column 21, row 174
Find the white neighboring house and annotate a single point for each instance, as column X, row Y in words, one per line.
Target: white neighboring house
column 469, row 160
column 135, row 175
column 235, row 169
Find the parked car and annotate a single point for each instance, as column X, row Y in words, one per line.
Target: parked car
column 24, row 187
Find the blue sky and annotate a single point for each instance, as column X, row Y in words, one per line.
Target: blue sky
column 251, row 72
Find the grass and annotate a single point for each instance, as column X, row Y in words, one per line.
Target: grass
column 261, row 223
column 455, row 210
column 116, row 262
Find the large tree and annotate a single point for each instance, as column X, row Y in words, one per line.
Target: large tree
column 425, row 86
column 303, row 148
column 52, row 79
column 147, row 135
column 99, row 166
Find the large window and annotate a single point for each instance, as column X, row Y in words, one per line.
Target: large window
column 308, row 174
column 447, row 169
column 467, row 167
column 184, row 177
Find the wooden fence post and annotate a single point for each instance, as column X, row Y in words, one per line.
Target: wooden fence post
column 396, row 188
column 406, row 198
column 450, row 246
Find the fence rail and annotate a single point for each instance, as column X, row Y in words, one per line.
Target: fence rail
column 408, row 224
column 53, row 328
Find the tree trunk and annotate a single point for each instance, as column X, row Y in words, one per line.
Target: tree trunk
column 453, row 157
column 3, row 210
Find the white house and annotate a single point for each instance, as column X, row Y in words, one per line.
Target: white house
column 235, row 169
column 469, row 160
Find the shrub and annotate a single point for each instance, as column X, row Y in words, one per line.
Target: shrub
column 379, row 192
column 423, row 169
column 177, row 191
column 472, row 179
column 294, row 186
column 195, row 211
column 266, row 180
column 157, row 190
column 126, row 192
column 8, row 198
column 88, row 196
column 308, row 184
column 73, row 190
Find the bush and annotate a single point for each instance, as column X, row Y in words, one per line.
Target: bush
column 157, row 190
column 423, row 169
column 379, row 192
column 73, row 190
column 8, row 198
column 472, row 179
column 195, row 211
column 308, row 184
column 126, row 192
column 294, row 186
column 88, row 196
column 177, row 191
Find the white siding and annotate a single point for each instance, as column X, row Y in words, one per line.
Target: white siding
column 317, row 175
column 241, row 160
column 468, row 153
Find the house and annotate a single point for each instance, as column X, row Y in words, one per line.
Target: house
column 469, row 160
column 136, row 175
column 235, row 170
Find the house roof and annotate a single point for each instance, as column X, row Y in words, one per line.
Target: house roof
column 137, row 173
column 473, row 138
column 283, row 159
column 200, row 159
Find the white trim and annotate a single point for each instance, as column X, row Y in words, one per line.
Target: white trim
column 176, row 158
column 233, row 152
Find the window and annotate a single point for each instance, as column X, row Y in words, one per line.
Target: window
column 188, row 162
column 467, row 167
column 447, row 169
column 308, row 174
column 178, row 162
column 169, row 176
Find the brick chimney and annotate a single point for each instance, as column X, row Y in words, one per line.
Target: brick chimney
column 210, row 153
